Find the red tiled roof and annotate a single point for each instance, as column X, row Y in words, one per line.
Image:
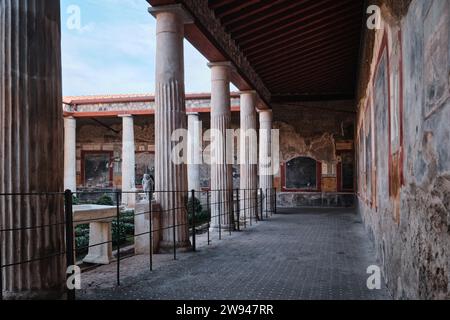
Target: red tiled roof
column 126, row 98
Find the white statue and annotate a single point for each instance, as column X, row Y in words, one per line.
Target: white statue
column 147, row 184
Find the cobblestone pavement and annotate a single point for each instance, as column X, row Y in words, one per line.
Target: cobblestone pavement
column 297, row 254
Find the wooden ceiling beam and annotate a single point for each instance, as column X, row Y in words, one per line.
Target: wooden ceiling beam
column 296, row 39
column 320, row 46
column 322, row 58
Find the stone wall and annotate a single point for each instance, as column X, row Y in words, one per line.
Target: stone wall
column 93, row 137
column 404, row 167
column 319, row 130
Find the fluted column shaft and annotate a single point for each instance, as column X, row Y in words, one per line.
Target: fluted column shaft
column 248, row 155
column 31, row 148
column 265, row 158
column 171, row 177
column 128, row 159
column 221, row 169
column 194, row 151
column 70, row 154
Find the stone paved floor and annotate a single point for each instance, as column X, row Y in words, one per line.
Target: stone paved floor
column 298, row 254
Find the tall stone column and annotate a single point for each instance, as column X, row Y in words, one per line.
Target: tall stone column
column 31, row 149
column 194, row 150
column 266, row 158
column 248, row 155
column 70, row 154
column 128, row 160
column 221, row 169
column 171, row 176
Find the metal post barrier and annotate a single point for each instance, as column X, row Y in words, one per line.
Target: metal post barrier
column 174, row 230
column 219, row 203
column 255, row 207
column 275, row 200
column 194, row 245
column 238, row 209
column 70, row 257
column 261, row 203
column 1, row 263
column 118, row 235
column 150, row 225
column 208, row 204
column 245, row 209
column 248, row 206
column 231, row 211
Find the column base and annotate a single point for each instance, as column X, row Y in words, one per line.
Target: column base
column 167, row 246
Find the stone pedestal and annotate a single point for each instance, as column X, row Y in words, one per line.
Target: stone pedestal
column 221, row 169
column 265, row 159
column 171, row 177
column 70, row 154
column 248, row 156
column 100, row 232
column 128, row 161
column 194, row 151
column 142, row 227
column 100, row 229
column 31, row 149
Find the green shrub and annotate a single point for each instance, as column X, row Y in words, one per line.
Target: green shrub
column 75, row 200
column 125, row 229
column 81, row 238
column 105, row 200
column 201, row 216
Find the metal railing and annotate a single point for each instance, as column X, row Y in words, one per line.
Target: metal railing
column 202, row 208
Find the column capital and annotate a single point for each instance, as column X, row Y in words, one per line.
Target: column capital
column 265, row 115
column 248, row 92
column 177, row 9
column 70, row 122
column 221, row 71
column 228, row 64
column 193, row 114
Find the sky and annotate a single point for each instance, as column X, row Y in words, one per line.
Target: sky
column 109, row 46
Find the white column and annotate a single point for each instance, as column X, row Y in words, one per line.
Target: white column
column 248, row 156
column 265, row 158
column 70, row 154
column 170, row 116
column 128, row 160
column 221, row 170
column 194, row 150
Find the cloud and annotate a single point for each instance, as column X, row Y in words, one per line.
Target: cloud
column 114, row 51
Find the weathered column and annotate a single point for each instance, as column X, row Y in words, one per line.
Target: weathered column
column 171, row 176
column 31, row 149
column 265, row 158
column 128, row 160
column 194, row 151
column 70, row 154
column 221, row 169
column 248, row 155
